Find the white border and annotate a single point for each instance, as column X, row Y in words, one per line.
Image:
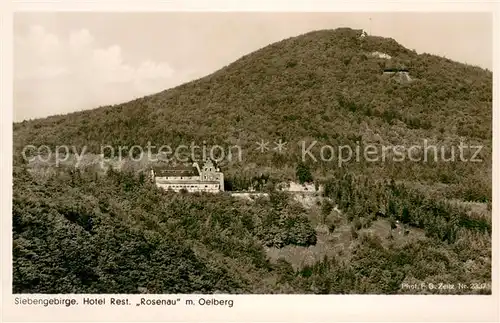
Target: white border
column 256, row 5
column 247, row 307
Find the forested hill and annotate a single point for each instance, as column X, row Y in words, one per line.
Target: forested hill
column 375, row 228
column 325, row 85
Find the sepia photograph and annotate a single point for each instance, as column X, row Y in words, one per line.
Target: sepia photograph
column 230, row 153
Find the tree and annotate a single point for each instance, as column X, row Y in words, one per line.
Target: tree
column 303, row 173
column 405, row 217
column 326, row 208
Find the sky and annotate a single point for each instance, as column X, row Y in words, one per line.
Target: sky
column 66, row 62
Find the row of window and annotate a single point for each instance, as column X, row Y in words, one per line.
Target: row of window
column 187, row 186
column 189, row 177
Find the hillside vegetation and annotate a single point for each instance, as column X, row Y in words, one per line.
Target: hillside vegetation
column 322, row 86
column 78, row 230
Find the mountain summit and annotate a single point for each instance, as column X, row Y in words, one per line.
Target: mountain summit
column 331, row 86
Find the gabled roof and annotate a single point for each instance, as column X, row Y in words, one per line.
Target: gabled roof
column 165, row 170
column 210, row 163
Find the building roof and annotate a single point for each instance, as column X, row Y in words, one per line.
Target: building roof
column 395, row 70
column 187, row 181
column 175, row 170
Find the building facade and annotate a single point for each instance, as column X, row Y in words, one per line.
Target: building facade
column 191, row 178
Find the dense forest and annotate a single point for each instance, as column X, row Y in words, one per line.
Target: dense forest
column 77, row 232
column 82, row 230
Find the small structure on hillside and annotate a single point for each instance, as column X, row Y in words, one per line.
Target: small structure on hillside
column 297, row 187
column 381, row 55
column 191, row 178
column 401, row 75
